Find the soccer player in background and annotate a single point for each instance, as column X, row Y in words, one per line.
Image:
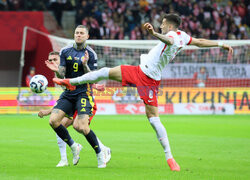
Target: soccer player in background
column 54, row 60
column 147, row 75
column 201, row 77
column 30, row 75
column 73, row 63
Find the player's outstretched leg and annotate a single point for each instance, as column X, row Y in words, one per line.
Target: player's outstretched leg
column 62, row 149
column 163, row 138
column 90, row 77
column 64, row 82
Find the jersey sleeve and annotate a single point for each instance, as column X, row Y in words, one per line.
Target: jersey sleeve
column 62, row 58
column 187, row 38
column 92, row 63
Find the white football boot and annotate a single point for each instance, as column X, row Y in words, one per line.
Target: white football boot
column 107, row 154
column 62, row 163
column 76, row 149
column 101, row 160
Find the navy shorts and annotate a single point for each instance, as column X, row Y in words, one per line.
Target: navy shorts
column 82, row 103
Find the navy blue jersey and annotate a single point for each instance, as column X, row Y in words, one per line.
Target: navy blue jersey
column 71, row 59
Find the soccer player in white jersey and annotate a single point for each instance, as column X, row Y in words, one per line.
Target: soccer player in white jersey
column 147, row 75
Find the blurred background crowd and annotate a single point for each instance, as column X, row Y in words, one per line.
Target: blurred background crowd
column 123, row 19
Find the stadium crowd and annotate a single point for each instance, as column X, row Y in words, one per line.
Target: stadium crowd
column 123, row 19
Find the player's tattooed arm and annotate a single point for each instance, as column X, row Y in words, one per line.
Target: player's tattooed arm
column 56, row 111
column 86, row 68
column 61, row 72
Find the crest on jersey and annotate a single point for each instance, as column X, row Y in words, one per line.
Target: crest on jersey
column 83, row 58
column 151, row 94
column 69, row 58
column 76, row 58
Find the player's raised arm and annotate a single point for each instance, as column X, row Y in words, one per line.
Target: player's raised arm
column 165, row 39
column 85, row 60
column 208, row 43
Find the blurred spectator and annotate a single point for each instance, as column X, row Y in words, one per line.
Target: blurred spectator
column 57, row 7
column 3, row 4
column 201, row 77
column 30, row 75
column 211, row 19
column 215, row 19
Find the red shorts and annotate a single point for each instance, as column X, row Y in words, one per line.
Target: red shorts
column 147, row 87
column 90, row 117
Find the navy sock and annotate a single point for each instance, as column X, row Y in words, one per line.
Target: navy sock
column 63, row 133
column 91, row 138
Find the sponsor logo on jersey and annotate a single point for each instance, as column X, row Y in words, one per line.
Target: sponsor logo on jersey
column 69, row 58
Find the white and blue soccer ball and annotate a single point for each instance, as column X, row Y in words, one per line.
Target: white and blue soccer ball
column 38, row 83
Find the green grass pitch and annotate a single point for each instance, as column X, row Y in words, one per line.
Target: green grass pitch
column 206, row 147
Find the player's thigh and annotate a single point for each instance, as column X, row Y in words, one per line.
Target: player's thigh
column 151, row 111
column 115, row 73
column 66, row 122
column 82, row 120
column 56, row 117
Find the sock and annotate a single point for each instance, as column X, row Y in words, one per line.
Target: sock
column 161, row 135
column 91, row 138
column 63, row 133
column 100, row 143
column 62, row 148
column 91, row 77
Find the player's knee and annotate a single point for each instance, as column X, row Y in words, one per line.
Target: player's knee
column 82, row 128
column 86, row 130
column 75, row 126
column 54, row 121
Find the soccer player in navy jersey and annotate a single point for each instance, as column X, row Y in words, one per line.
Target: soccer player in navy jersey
column 76, row 60
column 54, row 60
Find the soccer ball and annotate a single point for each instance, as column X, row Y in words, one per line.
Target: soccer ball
column 38, row 83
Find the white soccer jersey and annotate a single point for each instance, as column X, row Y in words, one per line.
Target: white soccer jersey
column 153, row 63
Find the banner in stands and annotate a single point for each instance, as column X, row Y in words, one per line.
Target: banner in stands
column 120, row 100
column 204, row 108
column 220, row 71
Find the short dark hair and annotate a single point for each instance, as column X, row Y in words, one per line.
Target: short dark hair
column 174, row 19
column 84, row 27
column 53, row 53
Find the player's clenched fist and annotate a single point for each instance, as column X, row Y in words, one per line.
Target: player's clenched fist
column 44, row 113
column 149, row 28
